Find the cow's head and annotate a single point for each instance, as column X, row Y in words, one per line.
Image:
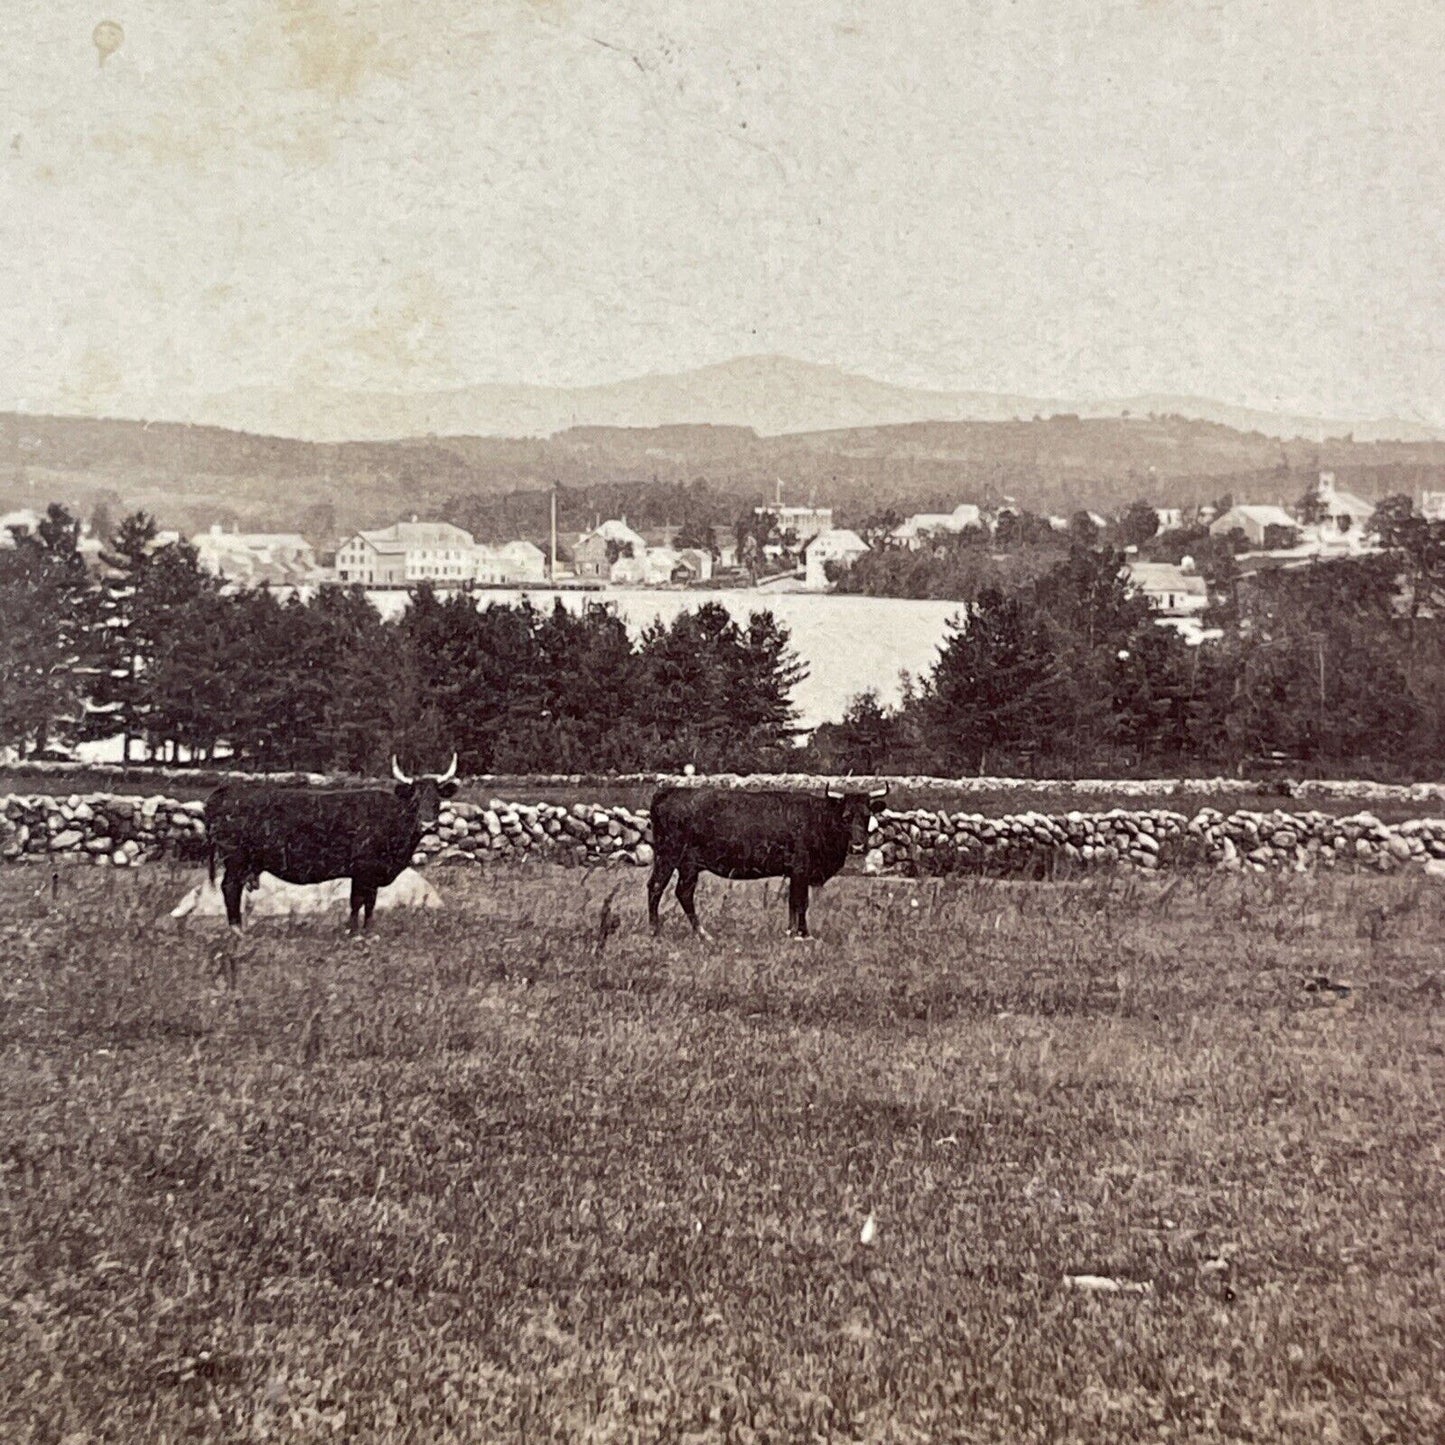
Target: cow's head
column 857, row 808
column 426, row 792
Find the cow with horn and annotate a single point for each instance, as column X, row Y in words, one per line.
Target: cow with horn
column 740, row 833
column 310, row 835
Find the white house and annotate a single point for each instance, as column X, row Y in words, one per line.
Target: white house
column 1171, row 519
column 25, row 522
column 661, row 567
column 1432, row 506
column 1170, row 591
column 804, row 523
column 837, row 545
column 408, row 552
column 510, row 564
column 1177, row 597
column 250, row 558
column 913, row 532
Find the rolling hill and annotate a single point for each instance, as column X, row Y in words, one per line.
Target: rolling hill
column 190, row 476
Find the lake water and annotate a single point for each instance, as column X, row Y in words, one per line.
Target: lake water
column 849, row 643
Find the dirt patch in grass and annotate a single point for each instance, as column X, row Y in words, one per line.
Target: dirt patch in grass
column 473, row 1180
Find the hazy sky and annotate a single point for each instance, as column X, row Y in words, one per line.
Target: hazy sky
column 1235, row 199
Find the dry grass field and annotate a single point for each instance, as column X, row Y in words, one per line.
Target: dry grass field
column 478, row 1180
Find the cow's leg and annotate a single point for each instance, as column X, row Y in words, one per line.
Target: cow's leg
column 662, row 872
column 231, row 886
column 358, row 902
column 797, row 907
column 368, row 900
column 687, row 875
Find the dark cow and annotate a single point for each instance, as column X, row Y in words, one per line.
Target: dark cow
column 309, row 835
column 745, row 834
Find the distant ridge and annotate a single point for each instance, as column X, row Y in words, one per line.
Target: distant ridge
column 771, row 395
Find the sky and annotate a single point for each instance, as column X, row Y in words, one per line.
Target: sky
column 1070, row 198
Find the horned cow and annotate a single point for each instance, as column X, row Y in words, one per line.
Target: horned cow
column 747, row 834
column 311, row 835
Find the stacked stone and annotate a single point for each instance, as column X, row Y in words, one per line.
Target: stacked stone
column 1150, row 839
column 98, row 828
column 582, row 835
column 120, row 831
column 971, row 841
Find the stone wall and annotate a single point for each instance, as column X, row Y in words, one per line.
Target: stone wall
column 116, row 831
column 128, row 778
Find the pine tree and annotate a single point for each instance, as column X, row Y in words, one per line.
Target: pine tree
column 46, row 615
column 117, row 695
column 993, row 691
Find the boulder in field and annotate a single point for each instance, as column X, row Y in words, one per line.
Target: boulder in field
column 274, row 899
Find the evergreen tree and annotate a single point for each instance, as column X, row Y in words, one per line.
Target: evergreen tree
column 47, row 617
column 993, row 691
column 118, row 702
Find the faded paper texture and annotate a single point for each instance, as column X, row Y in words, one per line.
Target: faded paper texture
column 329, row 218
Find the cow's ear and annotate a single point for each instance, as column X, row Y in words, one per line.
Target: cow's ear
column 403, row 790
column 447, row 790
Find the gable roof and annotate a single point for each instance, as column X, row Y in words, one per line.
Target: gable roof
column 1262, row 515
column 1164, row 577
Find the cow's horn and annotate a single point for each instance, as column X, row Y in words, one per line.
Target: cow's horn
column 878, row 792
column 450, row 773
column 832, row 792
column 396, row 771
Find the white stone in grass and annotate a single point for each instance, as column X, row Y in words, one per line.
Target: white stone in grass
column 273, row 898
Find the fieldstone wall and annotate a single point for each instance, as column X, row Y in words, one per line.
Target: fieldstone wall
column 115, row 831
column 99, row 828
column 942, row 842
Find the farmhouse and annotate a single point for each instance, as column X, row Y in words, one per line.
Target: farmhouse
column 1170, row 591
column 838, row 545
column 408, row 552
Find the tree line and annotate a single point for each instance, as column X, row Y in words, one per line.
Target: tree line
column 1051, row 669
column 155, row 650
column 1336, row 667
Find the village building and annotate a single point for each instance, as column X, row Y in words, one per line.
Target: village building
column 509, row 564
column 1432, row 506
column 595, row 552
column 24, row 522
column 837, row 545
column 408, row 552
column 1177, row 596
column 251, row 558
column 1170, row 590
column 917, row 529
column 1262, row 525
column 803, row 523
column 662, row 567
column 1345, row 522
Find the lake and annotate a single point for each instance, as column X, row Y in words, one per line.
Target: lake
column 849, row 643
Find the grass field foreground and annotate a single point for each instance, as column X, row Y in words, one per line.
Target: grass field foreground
column 480, row 1180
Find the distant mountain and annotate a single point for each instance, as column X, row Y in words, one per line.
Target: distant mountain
column 773, row 395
